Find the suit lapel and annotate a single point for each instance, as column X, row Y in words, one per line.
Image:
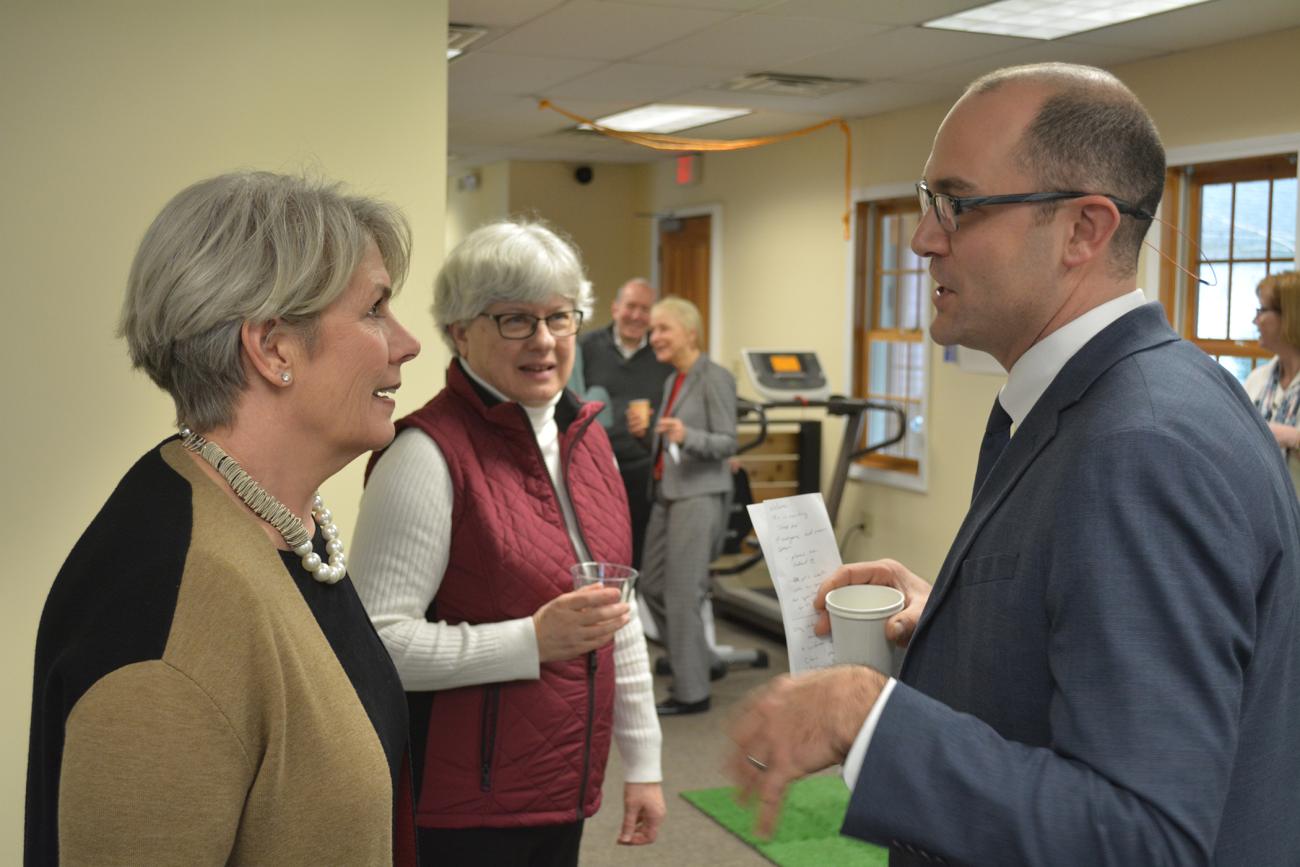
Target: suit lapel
column 1133, row 332
column 692, row 380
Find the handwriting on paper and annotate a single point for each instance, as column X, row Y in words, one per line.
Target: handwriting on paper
column 799, row 546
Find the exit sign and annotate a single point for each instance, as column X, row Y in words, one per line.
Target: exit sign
column 688, row 170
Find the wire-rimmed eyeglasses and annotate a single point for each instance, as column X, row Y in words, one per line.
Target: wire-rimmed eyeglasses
column 1260, row 311
column 521, row 326
column 948, row 208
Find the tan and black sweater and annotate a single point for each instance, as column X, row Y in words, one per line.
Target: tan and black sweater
column 201, row 699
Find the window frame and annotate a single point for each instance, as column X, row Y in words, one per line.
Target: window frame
column 865, row 255
column 1172, row 284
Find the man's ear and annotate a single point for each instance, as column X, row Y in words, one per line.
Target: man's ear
column 1091, row 232
column 270, row 349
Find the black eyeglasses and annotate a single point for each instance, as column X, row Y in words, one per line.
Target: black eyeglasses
column 521, row 326
column 1260, row 311
column 947, row 208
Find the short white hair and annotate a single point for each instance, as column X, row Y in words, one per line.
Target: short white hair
column 512, row 260
column 244, row 247
column 684, row 312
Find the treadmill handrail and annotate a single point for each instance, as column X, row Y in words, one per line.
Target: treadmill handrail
column 745, row 408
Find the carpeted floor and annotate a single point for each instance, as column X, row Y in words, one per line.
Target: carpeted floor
column 695, row 748
column 809, row 830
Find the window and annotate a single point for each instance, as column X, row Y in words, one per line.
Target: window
column 889, row 342
column 1241, row 214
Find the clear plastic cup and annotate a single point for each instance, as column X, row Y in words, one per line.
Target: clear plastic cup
column 615, row 575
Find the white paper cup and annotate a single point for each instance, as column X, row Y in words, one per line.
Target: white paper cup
column 858, row 614
column 620, row 577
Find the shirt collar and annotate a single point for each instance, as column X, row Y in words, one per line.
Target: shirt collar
column 1034, row 371
column 623, row 350
column 538, row 416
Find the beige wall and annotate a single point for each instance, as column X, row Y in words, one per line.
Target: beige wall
column 489, row 200
column 600, row 217
column 108, row 109
column 785, row 262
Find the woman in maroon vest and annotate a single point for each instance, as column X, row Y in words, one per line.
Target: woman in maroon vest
column 469, row 524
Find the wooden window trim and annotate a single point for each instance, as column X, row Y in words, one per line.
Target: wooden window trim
column 869, row 252
column 1193, row 179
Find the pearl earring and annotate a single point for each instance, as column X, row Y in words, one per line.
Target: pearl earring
column 286, row 377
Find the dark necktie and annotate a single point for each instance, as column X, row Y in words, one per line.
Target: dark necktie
column 997, row 433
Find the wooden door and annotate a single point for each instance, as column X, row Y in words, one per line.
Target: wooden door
column 684, row 244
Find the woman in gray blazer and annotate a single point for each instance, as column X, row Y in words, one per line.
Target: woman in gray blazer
column 692, row 439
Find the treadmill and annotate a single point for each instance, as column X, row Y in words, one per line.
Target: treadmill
column 791, row 379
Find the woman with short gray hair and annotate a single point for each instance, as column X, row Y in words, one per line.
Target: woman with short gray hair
column 208, row 688
column 469, row 525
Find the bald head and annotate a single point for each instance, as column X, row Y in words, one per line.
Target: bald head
column 1089, row 134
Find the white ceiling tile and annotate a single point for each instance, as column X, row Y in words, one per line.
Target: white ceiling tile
column 639, row 82
column 758, row 42
column 892, row 12
column 717, row 5
column 498, row 13
column 492, row 72
column 901, row 52
column 1058, row 51
column 1196, row 26
column 595, row 57
column 603, row 31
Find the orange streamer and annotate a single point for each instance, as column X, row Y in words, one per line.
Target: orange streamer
column 661, row 142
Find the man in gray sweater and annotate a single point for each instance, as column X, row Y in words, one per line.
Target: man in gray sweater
column 619, row 359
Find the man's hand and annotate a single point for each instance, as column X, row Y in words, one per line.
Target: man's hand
column 643, row 813
column 572, row 624
column 890, row 573
column 795, row 726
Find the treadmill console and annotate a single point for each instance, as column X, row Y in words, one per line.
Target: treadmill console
column 781, row 375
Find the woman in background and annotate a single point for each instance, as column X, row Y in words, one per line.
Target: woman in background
column 692, row 440
column 1275, row 386
column 469, row 524
column 208, row 687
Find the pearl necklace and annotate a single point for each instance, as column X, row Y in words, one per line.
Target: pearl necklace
column 275, row 513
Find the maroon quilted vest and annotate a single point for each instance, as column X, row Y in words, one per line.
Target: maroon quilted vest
column 524, row 752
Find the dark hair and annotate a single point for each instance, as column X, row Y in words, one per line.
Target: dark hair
column 1092, row 135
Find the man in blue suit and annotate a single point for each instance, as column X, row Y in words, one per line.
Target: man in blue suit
column 1107, row 668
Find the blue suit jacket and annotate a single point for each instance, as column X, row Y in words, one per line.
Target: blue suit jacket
column 1108, row 668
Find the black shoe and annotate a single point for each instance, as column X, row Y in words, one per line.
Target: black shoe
column 673, row 707
column 717, row 669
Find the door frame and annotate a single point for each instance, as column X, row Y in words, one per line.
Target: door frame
column 714, row 213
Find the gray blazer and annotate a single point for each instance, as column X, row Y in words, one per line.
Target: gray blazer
column 707, row 407
column 1108, row 668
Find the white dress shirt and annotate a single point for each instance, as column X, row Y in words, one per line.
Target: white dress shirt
column 1029, row 378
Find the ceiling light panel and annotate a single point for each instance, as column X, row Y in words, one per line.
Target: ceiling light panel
column 659, row 118
column 1052, row 19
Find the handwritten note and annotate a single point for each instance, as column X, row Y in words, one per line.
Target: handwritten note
column 800, row 550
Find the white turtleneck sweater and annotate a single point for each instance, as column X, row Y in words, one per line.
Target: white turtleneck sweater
column 399, row 556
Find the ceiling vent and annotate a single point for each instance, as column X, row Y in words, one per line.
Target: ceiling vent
column 461, row 36
column 789, row 84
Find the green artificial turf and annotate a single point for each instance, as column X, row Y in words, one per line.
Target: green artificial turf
column 808, row 832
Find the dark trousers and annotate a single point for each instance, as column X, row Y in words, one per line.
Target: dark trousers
column 636, row 481
column 543, row 846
